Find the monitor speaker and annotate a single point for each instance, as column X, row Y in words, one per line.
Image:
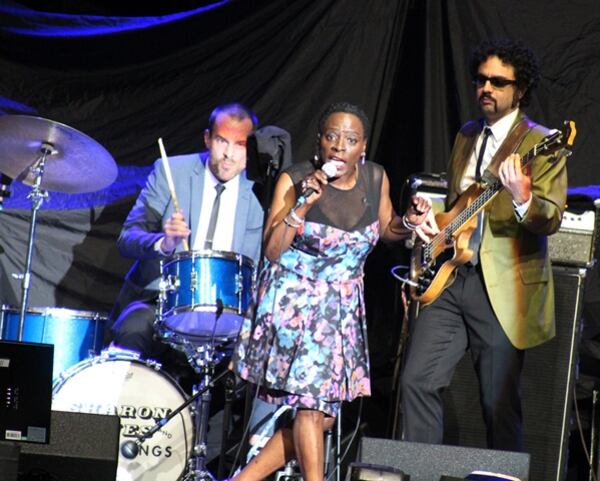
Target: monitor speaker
column 82, row 446
column 428, row 462
column 548, row 380
column 9, row 460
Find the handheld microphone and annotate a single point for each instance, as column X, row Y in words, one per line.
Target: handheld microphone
column 330, row 169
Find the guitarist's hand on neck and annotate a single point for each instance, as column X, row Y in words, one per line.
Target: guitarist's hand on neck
column 514, row 180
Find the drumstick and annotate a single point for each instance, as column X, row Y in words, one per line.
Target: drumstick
column 169, row 177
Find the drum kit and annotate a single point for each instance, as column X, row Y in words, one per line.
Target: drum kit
column 203, row 299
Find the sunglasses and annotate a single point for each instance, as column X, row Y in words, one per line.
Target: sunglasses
column 498, row 82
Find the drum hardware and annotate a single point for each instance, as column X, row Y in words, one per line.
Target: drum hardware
column 203, row 298
column 229, row 384
column 37, row 196
column 193, row 281
column 64, row 160
column 202, row 358
column 239, row 282
column 205, row 366
column 130, row 449
column 170, row 284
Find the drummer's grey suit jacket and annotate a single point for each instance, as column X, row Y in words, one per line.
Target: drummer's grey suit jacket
column 144, row 224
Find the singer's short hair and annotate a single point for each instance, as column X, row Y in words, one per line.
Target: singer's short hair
column 346, row 108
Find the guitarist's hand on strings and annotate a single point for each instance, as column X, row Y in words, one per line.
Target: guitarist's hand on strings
column 514, row 180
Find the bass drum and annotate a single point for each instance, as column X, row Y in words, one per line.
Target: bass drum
column 140, row 393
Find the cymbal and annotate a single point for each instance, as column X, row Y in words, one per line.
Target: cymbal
column 75, row 163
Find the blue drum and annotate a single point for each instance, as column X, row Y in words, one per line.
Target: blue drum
column 196, row 286
column 76, row 335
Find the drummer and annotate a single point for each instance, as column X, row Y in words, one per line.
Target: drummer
column 154, row 230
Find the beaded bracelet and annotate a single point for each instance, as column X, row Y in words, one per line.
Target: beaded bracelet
column 408, row 225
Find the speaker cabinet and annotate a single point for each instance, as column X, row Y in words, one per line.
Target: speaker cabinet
column 82, row 446
column 428, row 462
column 9, row 460
column 547, row 384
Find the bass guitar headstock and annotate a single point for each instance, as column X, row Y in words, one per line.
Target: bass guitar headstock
column 559, row 141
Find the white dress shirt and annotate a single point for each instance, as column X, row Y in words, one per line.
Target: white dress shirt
column 223, row 238
column 500, row 131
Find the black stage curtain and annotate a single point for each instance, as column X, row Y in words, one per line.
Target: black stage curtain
column 144, row 79
column 564, row 35
column 125, row 81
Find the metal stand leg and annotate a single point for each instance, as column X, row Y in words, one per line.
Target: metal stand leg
column 203, row 359
column 229, row 384
column 329, row 465
column 197, row 464
column 37, row 196
column 338, row 445
column 594, row 451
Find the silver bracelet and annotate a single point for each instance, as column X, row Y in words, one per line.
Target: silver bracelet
column 291, row 224
column 408, row 225
column 295, row 217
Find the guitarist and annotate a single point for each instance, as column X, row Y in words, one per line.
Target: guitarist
column 501, row 302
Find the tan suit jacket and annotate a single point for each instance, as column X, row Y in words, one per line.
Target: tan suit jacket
column 514, row 253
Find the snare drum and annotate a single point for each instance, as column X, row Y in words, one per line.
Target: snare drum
column 195, row 283
column 76, row 335
column 140, row 393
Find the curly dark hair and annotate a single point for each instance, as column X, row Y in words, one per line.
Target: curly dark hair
column 347, row 108
column 515, row 53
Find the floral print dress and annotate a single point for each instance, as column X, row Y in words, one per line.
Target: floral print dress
column 307, row 345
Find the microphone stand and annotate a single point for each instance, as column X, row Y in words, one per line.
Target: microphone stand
column 273, row 168
column 130, row 449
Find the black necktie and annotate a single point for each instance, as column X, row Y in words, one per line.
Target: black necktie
column 475, row 240
column 486, row 134
column 212, row 223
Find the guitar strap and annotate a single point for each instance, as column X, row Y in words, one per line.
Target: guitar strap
column 511, row 144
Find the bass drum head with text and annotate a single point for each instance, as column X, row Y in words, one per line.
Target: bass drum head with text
column 139, row 394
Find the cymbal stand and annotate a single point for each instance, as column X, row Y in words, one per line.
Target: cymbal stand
column 37, row 196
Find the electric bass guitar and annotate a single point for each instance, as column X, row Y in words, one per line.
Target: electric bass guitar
column 433, row 263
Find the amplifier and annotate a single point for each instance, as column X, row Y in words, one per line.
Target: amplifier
column 573, row 244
